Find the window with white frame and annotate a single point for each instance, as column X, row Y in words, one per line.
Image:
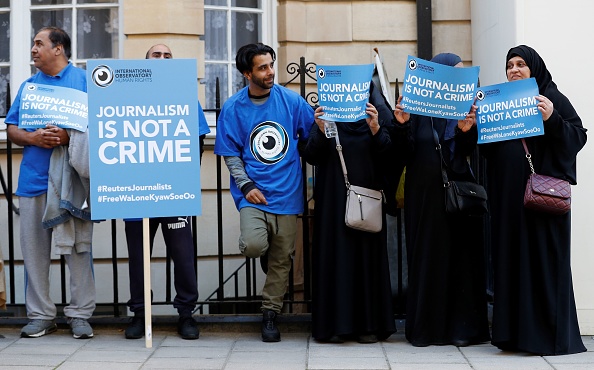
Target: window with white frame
column 4, row 53
column 230, row 24
column 93, row 26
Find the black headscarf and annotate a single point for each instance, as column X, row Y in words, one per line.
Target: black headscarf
column 537, row 66
column 555, row 156
column 448, row 59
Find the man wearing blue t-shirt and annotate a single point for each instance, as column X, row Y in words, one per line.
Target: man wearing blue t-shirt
column 257, row 134
column 177, row 234
column 50, row 52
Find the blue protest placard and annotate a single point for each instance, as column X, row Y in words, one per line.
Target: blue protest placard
column 508, row 111
column 43, row 105
column 437, row 90
column 143, row 138
column 343, row 91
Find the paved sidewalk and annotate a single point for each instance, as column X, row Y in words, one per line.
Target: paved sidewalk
column 244, row 351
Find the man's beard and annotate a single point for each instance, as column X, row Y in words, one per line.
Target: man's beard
column 262, row 84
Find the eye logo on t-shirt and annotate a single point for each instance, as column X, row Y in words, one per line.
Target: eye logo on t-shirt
column 269, row 142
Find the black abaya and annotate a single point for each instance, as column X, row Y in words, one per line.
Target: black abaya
column 534, row 306
column 351, row 280
column 446, row 297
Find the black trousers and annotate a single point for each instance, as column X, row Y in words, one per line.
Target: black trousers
column 177, row 233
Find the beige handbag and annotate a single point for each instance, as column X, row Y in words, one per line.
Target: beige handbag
column 363, row 209
column 363, row 206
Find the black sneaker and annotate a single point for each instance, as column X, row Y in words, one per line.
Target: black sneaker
column 187, row 327
column 135, row 329
column 270, row 332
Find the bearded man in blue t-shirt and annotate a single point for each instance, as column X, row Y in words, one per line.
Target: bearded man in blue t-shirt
column 257, row 134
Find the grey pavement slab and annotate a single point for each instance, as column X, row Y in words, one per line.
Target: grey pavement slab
column 267, row 359
column 192, row 352
column 184, row 363
column 33, row 361
column 110, row 355
column 399, row 366
column 73, row 365
column 578, row 358
column 333, row 363
column 26, row 349
column 512, row 362
column 245, row 351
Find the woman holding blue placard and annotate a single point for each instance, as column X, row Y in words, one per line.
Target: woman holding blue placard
column 351, row 295
column 446, row 296
column 534, row 306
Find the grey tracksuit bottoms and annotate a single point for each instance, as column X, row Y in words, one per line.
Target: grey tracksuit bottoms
column 36, row 245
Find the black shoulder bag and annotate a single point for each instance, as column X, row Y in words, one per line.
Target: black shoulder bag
column 464, row 197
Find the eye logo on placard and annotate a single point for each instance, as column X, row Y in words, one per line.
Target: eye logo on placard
column 321, row 73
column 31, row 87
column 480, row 95
column 412, row 65
column 102, row 76
column 269, row 142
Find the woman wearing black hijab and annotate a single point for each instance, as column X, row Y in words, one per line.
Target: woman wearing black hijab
column 351, row 295
column 534, row 307
column 446, row 295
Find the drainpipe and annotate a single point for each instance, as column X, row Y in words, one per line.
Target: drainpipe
column 424, row 30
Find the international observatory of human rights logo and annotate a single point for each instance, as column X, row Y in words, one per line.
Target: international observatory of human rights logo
column 269, row 142
column 103, row 75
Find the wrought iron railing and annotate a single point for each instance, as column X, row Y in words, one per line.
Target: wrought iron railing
column 236, row 291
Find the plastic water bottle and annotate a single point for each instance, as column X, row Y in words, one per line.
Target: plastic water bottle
column 330, row 129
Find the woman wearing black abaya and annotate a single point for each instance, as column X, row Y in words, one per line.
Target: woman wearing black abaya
column 352, row 298
column 446, row 296
column 534, row 307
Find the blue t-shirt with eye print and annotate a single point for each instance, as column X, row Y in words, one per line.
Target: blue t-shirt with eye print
column 265, row 137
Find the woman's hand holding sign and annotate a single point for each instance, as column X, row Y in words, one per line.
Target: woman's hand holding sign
column 545, row 106
column 372, row 121
column 401, row 116
column 320, row 122
column 469, row 121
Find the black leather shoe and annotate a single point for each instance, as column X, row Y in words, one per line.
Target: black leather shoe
column 270, row 332
column 335, row 339
column 135, row 329
column 461, row 342
column 367, row 338
column 187, row 328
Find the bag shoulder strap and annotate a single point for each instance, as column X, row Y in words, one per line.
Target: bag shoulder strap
column 528, row 155
column 344, row 169
column 342, row 163
column 444, row 174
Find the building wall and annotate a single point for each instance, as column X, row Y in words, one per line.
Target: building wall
column 176, row 23
column 357, row 27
